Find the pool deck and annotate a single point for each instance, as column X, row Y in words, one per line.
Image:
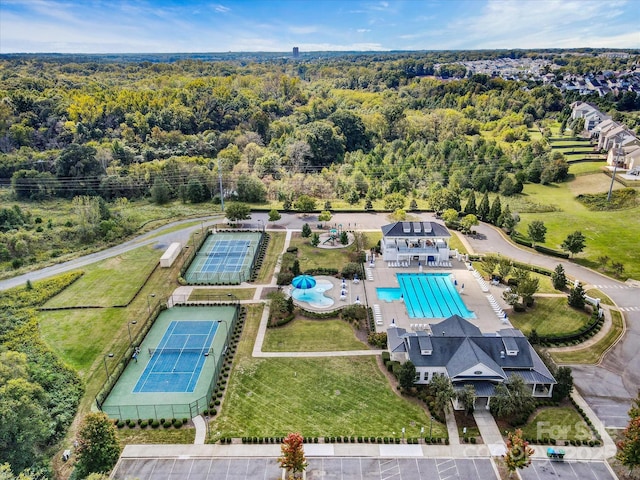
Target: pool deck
column 472, row 295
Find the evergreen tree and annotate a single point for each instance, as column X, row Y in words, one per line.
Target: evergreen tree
column 495, row 212
column 315, row 239
column 558, row 278
column 470, row 208
column 306, row 230
column 565, row 383
column 407, row 375
column 483, row 208
column 576, row 297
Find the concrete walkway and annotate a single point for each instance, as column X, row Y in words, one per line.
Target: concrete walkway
column 489, row 431
column 201, row 430
column 452, row 429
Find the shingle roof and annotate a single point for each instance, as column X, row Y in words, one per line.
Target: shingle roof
column 462, row 346
column 415, row 229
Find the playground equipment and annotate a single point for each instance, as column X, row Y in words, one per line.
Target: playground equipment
column 334, row 234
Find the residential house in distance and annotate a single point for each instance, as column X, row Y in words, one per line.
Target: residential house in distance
column 620, row 143
column 425, row 242
column 458, row 349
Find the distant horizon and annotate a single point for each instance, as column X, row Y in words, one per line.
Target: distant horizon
column 114, row 27
column 302, row 52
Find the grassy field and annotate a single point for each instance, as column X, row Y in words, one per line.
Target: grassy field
column 598, row 227
column 276, row 244
column 168, row 436
column 585, row 168
column 311, row 257
column 205, row 293
column 561, row 423
column 593, row 354
column 550, row 315
column 326, row 396
column 81, row 337
column 305, row 335
column 107, row 276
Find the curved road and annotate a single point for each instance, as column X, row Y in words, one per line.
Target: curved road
column 610, row 386
column 607, row 387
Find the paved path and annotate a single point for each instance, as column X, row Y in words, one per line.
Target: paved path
column 609, row 386
column 489, row 431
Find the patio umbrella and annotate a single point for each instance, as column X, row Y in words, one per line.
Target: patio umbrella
column 303, row 282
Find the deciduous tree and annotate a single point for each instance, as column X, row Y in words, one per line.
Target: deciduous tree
column 442, row 390
column 235, row 211
column 98, row 448
column 292, row 458
column 518, row 454
column 537, row 231
column 574, row 243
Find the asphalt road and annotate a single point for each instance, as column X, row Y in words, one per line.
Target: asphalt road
column 608, row 387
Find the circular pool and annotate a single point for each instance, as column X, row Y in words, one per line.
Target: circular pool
column 315, row 296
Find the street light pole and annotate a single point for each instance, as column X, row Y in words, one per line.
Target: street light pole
column 104, row 359
column 151, row 295
column 431, row 428
column 226, row 327
column 132, row 322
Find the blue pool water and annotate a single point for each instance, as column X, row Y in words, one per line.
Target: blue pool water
column 315, row 296
column 427, row 295
column 389, row 294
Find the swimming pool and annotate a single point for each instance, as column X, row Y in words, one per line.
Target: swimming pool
column 315, row 296
column 427, row 295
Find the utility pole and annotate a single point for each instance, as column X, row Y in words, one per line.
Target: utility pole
column 221, row 192
column 615, row 167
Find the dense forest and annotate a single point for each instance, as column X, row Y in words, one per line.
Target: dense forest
column 104, row 134
column 366, row 129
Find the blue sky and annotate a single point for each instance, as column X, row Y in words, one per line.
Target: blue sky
column 120, row 26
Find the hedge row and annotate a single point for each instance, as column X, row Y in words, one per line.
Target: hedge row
column 551, row 251
column 578, row 336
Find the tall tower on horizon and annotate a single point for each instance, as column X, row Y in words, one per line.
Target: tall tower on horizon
column 296, row 52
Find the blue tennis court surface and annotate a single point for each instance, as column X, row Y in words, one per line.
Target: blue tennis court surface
column 428, row 295
column 226, row 256
column 176, row 364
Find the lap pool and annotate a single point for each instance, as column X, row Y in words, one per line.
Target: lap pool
column 427, row 295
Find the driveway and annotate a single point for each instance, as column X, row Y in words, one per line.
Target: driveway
column 610, row 386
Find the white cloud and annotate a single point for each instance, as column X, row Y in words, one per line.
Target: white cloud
column 221, row 8
column 363, row 30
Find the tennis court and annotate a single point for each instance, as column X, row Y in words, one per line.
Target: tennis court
column 177, row 367
column 176, row 363
column 225, row 257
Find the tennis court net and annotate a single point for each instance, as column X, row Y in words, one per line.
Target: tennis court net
column 199, row 351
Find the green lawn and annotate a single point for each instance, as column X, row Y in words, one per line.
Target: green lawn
column 593, row 354
column 600, row 228
column 80, row 336
column 110, row 282
column 168, row 436
column 215, row 293
column 456, row 243
column 317, row 397
column 583, row 168
column 305, row 335
column 311, row 257
column 561, row 423
column 550, row 315
column 276, row 244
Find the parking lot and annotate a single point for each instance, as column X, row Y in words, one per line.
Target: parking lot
column 333, row 468
column 547, row 470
